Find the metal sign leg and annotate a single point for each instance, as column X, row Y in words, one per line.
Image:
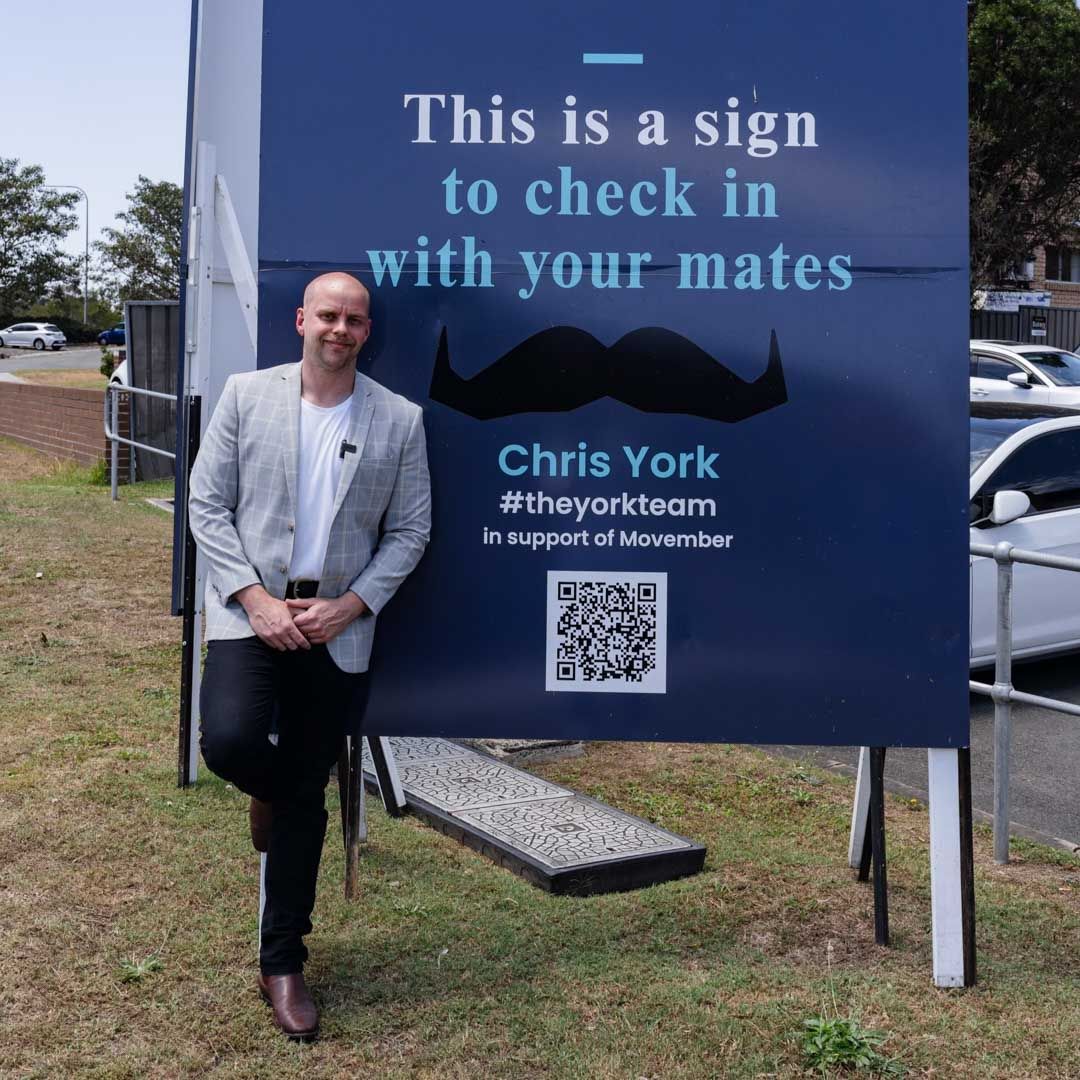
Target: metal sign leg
column 189, row 657
column 952, row 883
column 877, row 837
column 382, row 757
column 967, row 865
column 195, row 717
column 860, row 815
column 353, row 823
column 866, row 856
column 866, row 844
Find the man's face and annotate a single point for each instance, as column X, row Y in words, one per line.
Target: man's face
column 334, row 322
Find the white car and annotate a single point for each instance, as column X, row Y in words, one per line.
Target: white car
column 1029, row 374
column 32, row 335
column 120, row 374
column 1025, row 489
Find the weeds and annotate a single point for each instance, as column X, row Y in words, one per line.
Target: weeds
column 133, row 971
column 99, row 475
column 841, row 1042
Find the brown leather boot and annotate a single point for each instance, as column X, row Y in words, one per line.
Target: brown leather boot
column 294, row 1011
column 260, row 814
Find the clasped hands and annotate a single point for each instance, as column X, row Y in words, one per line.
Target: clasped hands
column 298, row 624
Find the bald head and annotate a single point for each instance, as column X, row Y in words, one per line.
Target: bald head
column 336, row 282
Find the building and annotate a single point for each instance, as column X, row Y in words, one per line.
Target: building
column 1057, row 271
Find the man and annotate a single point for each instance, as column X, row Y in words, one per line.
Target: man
column 310, row 500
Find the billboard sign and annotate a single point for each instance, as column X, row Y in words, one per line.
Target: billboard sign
column 681, row 295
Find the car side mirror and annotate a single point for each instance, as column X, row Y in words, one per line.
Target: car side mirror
column 1008, row 506
column 1021, row 379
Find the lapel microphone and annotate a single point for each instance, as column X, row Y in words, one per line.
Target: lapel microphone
column 346, row 448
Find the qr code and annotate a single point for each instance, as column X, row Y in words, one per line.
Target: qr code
column 606, row 631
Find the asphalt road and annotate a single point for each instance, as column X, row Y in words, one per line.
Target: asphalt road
column 83, row 357
column 1045, row 781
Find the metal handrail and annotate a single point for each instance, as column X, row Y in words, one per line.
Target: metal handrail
column 112, row 424
column 1028, row 699
column 1023, row 555
column 1003, row 692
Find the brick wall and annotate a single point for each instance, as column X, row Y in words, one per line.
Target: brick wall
column 1063, row 293
column 62, row 422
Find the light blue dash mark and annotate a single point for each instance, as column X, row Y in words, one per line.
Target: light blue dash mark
column 613, row 58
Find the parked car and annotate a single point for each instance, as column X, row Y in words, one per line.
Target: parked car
column 1032, row 374
column 1025, row 489
column 120, row 374
column 32, row 335
column 115, row 335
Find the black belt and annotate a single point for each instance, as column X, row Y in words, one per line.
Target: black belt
column 301, row 590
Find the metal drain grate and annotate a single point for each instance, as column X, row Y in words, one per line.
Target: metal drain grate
column 559, row 840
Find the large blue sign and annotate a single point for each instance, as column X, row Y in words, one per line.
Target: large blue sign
column 683, row 293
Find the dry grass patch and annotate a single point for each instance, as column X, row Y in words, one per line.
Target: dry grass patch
column 128, row 917
column 19, row 462
column 74, row 378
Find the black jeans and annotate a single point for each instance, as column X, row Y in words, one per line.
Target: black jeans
column 248, row 691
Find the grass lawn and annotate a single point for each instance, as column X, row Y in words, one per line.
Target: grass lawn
column 77, row 378
column 128, row 908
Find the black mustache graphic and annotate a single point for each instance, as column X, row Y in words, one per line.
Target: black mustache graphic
column 651, row 369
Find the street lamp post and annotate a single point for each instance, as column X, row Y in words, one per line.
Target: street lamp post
column 86, row 254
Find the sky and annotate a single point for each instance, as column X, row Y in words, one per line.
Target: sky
column 96, row 93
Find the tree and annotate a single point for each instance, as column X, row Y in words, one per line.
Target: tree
column 66, row 310
column 141, row 259
column 1024, row 95
column 33, row 221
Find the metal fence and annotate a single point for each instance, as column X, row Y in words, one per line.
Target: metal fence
column 1003, row 692
column 995, row 325
column 152, row 332
column 1055, row 327
column 112, row 427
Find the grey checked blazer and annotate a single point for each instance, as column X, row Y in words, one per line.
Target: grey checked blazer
column 243, row 499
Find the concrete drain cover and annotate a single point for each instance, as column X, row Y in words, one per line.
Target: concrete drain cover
column 557, row 839
column 471, row 783
column 418, row 750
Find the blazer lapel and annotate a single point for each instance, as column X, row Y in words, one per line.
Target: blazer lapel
column 363, row 407
column 290, row 447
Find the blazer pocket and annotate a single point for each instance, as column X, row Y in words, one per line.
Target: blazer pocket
column 380, row 454
column 371, row 486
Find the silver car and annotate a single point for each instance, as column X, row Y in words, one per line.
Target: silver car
column 1024, row 374
column 32, row 335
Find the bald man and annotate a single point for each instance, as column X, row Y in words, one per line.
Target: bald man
column 311, row 503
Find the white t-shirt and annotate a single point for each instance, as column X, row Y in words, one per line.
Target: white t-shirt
column 321, row 434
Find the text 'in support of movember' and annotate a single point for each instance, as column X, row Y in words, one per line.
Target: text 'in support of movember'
column 547, row 540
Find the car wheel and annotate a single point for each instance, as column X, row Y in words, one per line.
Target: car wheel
column 39, row 344
column 1, row 342
column 102, row 340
